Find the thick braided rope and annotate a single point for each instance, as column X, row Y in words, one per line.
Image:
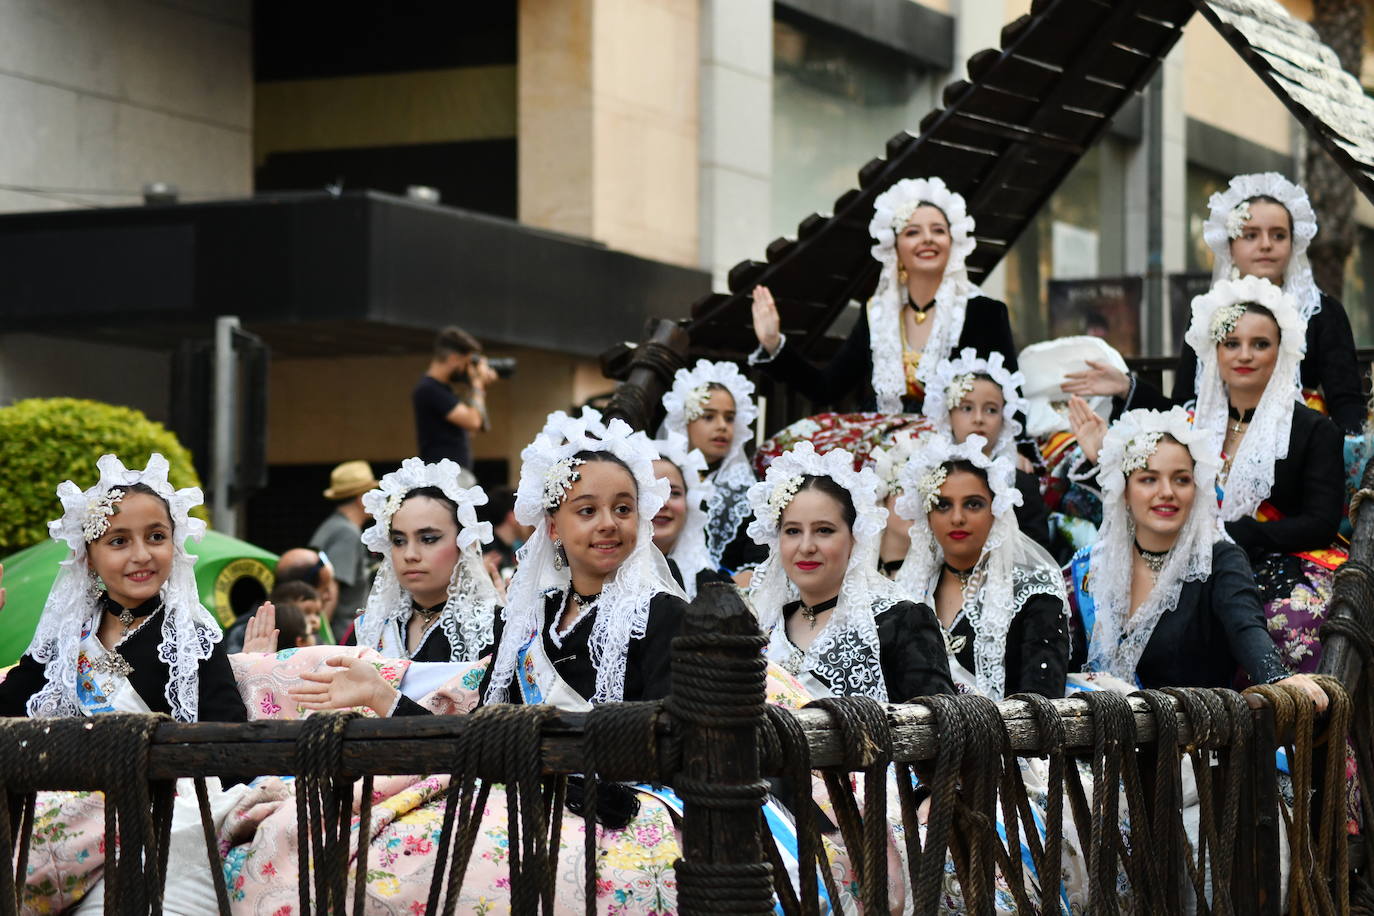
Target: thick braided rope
column 720, row 693
column 867, row 740
column 324, row 803
column 990, row 770
column 1111, row 733
column 1166, row 824
column 1203, row 725
column 1048, row 863
column 928, row 870
column 620, row 743
column 790, row 753
column 110, row 750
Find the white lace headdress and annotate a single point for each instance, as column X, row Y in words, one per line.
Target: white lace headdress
column 1119, row 636
column 954, row 379
column 689, row 552
column 1251, row 476
column 726, row 505
column 845, row 651
column 1010, row 570
column 1228, row 214
column 891, row 212
column 890, row 458
column 469, row 613
column 189, row 631
column 622, row 611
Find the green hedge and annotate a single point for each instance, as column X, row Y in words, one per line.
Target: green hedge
column 44, row 441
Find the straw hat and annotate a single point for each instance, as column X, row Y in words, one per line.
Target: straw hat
column 350, row 479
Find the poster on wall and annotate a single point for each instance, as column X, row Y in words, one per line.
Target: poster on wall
column 1106, row 307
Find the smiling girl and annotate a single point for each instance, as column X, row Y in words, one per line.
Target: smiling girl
column 123, row 629
column 1162, row 599
column 680, row 524
column 712, row 407
column 925, row 307
column 593, row 607
column 998, row 595
column 831, row 617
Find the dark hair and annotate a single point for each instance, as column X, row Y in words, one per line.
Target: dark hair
column 293, row 590
column 589, row 456
column 1267, row 199
column 291, row 625
column 829, row 487
column 454, row 339
column 1256, row 309
column 437, row 495
column 927, row 203
column 148, row 491
column 962, row 464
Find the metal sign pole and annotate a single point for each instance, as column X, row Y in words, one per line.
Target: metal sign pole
column 225, row 435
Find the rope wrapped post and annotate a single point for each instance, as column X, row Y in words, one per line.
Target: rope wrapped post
column 717, row 703
column 1256, row 883
column 663, row 352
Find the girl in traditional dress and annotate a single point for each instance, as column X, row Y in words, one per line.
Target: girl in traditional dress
column 998, row 595
column 924, row 309
column 1261, row 226
column 1163, row 599
column 832, row 619
column 593, row 607
column 888, row 462
column 712, row 406
column 680, row 523
column 971, row 395
column 433, row 599
column 123, row 629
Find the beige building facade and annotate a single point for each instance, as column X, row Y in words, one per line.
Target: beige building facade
column 687, row 133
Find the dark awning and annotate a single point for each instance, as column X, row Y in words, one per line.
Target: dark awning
column 317, row 274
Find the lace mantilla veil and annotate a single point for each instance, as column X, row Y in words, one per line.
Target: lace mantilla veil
column 1251, row 476
column 1119, row 637
column 469, row 613
column 189, row 631
column 1298, row 281
column 690, row 552
column 726, row 505
column 622, row 612
column 1010, row 570
column 845, row 650
column 891, row 211
column 940, row 398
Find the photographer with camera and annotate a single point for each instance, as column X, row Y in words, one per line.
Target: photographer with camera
column 450, row 399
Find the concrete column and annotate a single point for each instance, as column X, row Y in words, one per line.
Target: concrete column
column 736, row 132
column 608, row 120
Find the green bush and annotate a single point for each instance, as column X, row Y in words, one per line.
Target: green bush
column 44, row 441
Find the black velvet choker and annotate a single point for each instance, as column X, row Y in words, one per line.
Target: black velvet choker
column 922, row 311
column 147, row 608
column 962, row 574
column 811, row 612
column 891, row 566
column 427, row 613
column 1240, row 417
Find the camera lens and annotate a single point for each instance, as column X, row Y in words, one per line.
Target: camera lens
column 503, row 366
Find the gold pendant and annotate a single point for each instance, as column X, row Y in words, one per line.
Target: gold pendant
column 921, row 316
column 113, row 663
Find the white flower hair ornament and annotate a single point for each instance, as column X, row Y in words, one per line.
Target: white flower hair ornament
column 846, row 647
column 622, row 610
column 690, row 551
column 770, row 497
column 1229, row 211
column 953, row 380
column 189, row 631
column 890, row 458
column 727, row 507
column 1251, row 474
column 926, row 473
column 469, row 612
column 1004, row 571
column 1119, row 636
column 891, row 212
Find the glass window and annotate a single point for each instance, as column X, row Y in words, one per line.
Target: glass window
column 836, row 101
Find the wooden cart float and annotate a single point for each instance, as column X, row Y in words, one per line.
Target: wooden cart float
column 717, row 743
